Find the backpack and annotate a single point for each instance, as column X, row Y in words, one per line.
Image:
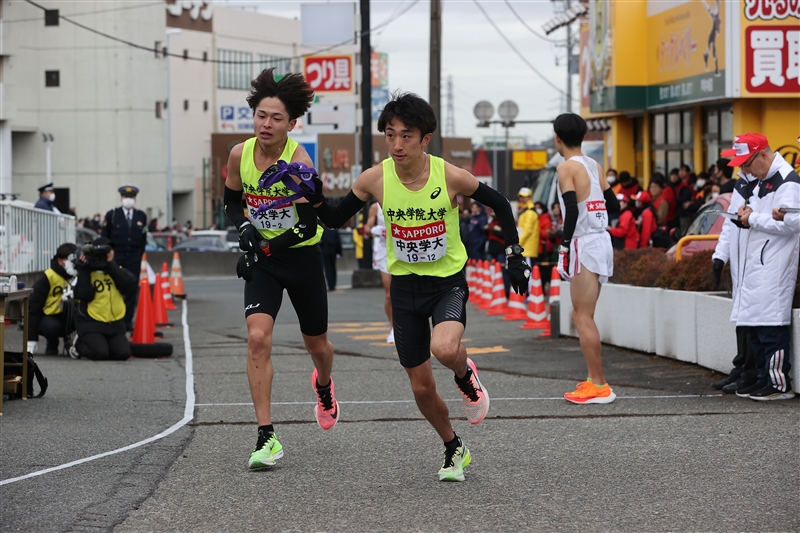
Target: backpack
column 33, row 370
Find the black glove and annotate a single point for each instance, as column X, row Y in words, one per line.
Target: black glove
column 718, row 265
column 245, row 266
column 248, row 237
column 317, row 197
column 518, row 273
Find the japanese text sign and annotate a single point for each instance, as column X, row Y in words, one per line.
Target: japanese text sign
column 329, row 74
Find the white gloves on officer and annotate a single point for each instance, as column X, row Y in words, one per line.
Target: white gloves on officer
column 32, row 345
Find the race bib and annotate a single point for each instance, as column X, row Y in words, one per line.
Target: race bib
column 281, row 217
column 597, row 214
column 420, row 244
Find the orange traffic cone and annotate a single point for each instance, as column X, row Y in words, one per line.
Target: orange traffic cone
column 143, row 268
column 145, row 327
column 169, row 305
column 499, row 304
column 555, row 296
column 516, row 307
column 477, row 283
column 470, row 275
column 159, row 310
column 537, row 314
column 176, row 278
column 486, row 288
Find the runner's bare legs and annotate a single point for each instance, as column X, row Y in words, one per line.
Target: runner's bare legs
column 584, row 291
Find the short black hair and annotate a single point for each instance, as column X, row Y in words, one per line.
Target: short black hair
column 624, row 176
column 722, row 165
column 674, row 171
column 292, row 90
column 65, row 250
column 412, row 110
column 570, row 128
column 686, row 167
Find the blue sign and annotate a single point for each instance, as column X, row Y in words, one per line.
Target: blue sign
column 380, row 97
column 311, row 148
column 226, row 112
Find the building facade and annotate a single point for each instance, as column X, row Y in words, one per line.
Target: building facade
column 677, row 79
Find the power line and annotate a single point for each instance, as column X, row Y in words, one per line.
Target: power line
column 524, row 60
column 542, row 37
column 206, row 60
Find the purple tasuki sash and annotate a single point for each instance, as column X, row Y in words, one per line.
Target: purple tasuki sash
column 283, row 172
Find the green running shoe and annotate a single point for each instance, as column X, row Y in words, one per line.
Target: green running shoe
column 455, row 461
column 265, row 453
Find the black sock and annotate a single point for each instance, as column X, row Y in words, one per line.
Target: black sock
column 465, row 379
column 321, row 388
column 266, row 431
column 455, row 443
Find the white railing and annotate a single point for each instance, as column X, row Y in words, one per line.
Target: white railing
column 29, row 236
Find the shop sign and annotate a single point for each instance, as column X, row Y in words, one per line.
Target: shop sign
column 689, row 41
column 329, row 74
column 379, row 69
column 235, row 118
column 770, row 45
column 528, row 159
column 196, row 15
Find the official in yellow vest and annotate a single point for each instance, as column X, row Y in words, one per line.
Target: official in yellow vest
column 527, row 224
column 49, row 303
column 418, row 194
column 99, row 293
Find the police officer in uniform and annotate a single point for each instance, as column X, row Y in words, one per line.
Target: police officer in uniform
column 48, row 316
column 126, row 229
column 46, row 198
column 100, row 318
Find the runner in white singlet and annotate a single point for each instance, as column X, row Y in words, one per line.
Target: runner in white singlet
column 377, row 228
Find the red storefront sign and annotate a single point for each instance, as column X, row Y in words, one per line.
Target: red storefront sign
column 772, row 59
column 329, row 74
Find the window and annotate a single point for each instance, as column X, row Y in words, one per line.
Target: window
column 282, row 64
column 52, row 78
column 186, row 105
column 234, row 70
column 672, row 140
column 51, row 17
column 717, row 132
column 158, row 109
column 205, row 105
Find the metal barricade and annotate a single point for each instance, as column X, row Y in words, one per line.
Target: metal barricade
column 29, row 236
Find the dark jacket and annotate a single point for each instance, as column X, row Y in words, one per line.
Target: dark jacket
column 126, row 240
column 44, row 203
column 331, row 242
column 85, row 293
column 41, row 288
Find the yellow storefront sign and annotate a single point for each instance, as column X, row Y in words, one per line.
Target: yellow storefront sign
column 528, row 159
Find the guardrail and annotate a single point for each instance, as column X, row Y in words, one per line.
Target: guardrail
column 690, row 238
column 29, row 237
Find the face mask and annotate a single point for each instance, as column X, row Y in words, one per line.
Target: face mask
column 69, row 268
column 611, row 180
column 52, row 197
column 701, row 184
column 539, row 210
column 714, row 195
column 127, row 203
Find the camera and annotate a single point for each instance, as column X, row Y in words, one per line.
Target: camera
column 96, row 255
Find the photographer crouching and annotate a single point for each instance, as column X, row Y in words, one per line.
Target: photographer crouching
column 101, row 305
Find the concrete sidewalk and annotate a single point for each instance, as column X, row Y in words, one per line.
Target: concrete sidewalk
column 669, row 455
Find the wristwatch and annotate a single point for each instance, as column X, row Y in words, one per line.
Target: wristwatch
column 514, row 249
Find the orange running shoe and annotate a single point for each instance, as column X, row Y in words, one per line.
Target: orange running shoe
column 588, row 392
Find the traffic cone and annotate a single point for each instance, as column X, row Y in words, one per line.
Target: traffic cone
column 537, row 314
column 477, row 283
column 555, row 296
column 176, row 278
column 499, row 304
column 159, row 309
column 470, row 274
column 169, row 305
column 145, row 327
column 143, row 268
column 486, row 288
column 516, row 307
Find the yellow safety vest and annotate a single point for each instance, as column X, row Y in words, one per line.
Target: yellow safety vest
column 108, row 304
column 422, row 227
column 280, row 219
column 53, row 304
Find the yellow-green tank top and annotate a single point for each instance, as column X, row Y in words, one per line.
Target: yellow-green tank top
column 275, row 221
column 422, row 227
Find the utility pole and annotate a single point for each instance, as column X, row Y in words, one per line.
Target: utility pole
column 569, row 63
column 435, row 147
column 366, row 89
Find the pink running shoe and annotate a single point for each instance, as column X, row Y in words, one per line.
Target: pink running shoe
column 327, row 409
column 475, row 399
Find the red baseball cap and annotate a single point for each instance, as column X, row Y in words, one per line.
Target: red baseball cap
column 744, row 146
column 643, row 196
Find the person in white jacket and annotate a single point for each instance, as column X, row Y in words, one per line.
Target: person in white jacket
column 767, row 269
column 730, row 246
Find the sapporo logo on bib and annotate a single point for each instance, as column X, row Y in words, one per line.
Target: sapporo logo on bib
column 281, row 217
column 420, row 244
column 597, row 214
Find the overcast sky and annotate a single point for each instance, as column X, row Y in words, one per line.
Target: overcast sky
column 483, row 66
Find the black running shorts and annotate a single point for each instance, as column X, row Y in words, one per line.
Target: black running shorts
column 419, row 300
column 299, row 271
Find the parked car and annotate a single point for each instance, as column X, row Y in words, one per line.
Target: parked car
column 705, row 222
column 84, row 236
column 168, row 239
column 202, row 244
column 224, row 235
column 152, row 245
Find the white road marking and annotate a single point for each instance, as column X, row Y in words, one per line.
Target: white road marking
column 188, row 414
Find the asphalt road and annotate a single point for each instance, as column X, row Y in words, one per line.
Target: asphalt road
column 162, row 445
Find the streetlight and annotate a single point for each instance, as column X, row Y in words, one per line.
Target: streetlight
column 48, row 141
column 171, row 31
